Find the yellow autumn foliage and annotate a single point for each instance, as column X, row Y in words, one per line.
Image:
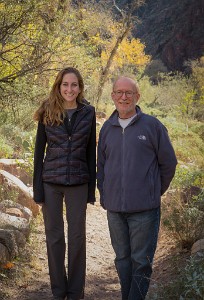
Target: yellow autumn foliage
column 130, row 52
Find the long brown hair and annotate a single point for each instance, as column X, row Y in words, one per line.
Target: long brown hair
column 51, row 111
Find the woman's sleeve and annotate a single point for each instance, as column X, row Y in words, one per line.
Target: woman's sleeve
column 40, row 143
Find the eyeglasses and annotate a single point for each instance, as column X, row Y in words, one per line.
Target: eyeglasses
column 128, row 94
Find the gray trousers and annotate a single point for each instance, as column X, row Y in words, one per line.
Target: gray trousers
column 70, row 283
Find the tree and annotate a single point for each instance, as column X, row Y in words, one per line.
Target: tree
column 110, row 37
column 130, row 52
column 30, row 38
column 128, row 20
column 22, row 49
column 40, row 37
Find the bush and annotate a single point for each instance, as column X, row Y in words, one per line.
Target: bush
column 28, row 155
column 193, row 279
column 187, row 176
column 15, row 139
column 184, row 221
column 6, row 151
column 188, row 285
column 183, row 209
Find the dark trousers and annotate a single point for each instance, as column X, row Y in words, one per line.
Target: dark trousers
column 70, row 283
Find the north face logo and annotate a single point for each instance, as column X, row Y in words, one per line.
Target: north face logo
column 142, row 137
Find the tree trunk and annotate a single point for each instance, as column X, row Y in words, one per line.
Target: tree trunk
column 105, row 71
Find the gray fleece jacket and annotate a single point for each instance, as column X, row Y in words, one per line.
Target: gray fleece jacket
column 135, row 165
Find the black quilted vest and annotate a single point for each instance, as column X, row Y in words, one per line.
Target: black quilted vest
column 66, row 154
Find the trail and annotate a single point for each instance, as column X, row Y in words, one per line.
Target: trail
column 101, row 280
column 31, row 279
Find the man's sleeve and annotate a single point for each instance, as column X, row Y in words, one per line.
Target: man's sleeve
column 166, row 159
column 100, row 167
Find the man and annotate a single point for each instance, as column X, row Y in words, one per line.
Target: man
column 136, row 163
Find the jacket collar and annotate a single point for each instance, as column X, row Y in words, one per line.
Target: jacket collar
column 114, row 116
column 82, row 104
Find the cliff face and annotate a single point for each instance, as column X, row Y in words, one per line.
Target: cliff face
column 172, row 30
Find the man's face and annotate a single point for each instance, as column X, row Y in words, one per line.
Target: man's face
column 125, row 97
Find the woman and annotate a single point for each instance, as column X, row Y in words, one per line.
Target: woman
column 67, row 130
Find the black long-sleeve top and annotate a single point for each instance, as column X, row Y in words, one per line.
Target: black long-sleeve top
column 66, row 154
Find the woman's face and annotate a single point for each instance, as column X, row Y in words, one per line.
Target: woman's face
column 69, row 89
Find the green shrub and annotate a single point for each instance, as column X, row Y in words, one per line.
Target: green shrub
column 28, row 155
column 183, row 213
column 193, row 279
column 187, row 285
column 17, row 139
column 187, row 176
column 184, row 221
column 6, row 151
column 6, row 193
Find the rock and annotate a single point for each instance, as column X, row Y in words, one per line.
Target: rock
column 14, row 212
column 197, row 246
column 6, row 205
column 13, row 222
column 8, row 239
column 13, row 166
column 4, row 254
column 24, row 194
column 20, row 238
column 173, row 36
column 10, row 243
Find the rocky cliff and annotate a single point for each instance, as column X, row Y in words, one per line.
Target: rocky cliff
column 172, row 31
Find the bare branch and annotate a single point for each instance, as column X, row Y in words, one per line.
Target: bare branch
column 128, row 20
column 118, row 9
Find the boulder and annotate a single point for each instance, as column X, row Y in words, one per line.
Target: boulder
column 198, row 246
column 13, row 222
column 13, row 166
column 10, row 243
column 16, row 209
column 24, row 194
column 14, row 212
column 8, row 239
column 4, row 254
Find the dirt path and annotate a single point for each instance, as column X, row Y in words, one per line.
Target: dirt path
column 30, row 280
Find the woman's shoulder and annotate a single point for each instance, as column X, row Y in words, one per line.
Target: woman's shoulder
column 39, row 113
column 87, row 104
